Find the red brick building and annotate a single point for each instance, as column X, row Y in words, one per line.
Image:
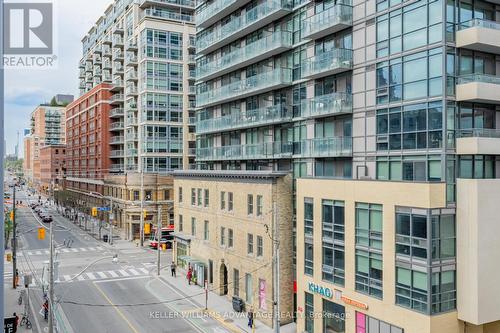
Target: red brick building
column 52, row 167
column 88, row 133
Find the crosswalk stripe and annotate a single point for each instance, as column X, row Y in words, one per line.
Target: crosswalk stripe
column 83, row 249
column 67, row 277
column 65, row 250
column 91, row 249
column 91, row 276
column 102, row 275
column 145, row 271
column 99, row 248
column 74, row 250
column 134, row 272
column 38, row 252
column 124, row 273
column 113, row 274
column 80, row 278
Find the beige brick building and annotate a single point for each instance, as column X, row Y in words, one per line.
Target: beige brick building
column 224, row 224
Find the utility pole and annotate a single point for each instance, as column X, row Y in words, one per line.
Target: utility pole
column 141, row 231
column 111, row 218
column 51, row 279
column 14, row 241
column 276, row 269
column 158, row 233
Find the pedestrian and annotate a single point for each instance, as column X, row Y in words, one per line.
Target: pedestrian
column 46, row 310
column 16, row 322
column 250, row 317
column 189, row 274
column 172, row 269
column 17, row 277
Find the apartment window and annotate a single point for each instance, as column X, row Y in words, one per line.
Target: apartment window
column 409, row 168
column 148, row 195
column 308, row 259
column 249, row 244
column 309, row 310
column 333, row 241
column 136, row 195
column 236, row 282
column 250, row 204
column 207, row 198
column 222, row 236
column 206, row 231
column 193, row 197
column 367, row 324
column 199, row 194
column 308, row 217
column 181, row 225
column 180, row 194
column 230, row 238
column 222, row 200
column 476, row 166
column 411, row 235
column 193, row 226
column 369, row 249
column 166, row 194
column 230, row 201
column 248, row 288
column 259, row 205
column 260, row 246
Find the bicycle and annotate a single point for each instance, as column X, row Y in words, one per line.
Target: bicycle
column 21, row 297
column 25, row 321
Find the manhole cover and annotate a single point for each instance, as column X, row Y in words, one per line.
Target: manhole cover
column 228, row 320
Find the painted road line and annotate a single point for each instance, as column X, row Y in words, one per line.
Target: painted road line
column 67, row 277
column 102, row 275
column 134, row 272
column 83, row 249
column 91, row 249
column 74, row 250
column 122, row 279
column 91, row 276
column 123, row 272
column 65, row 250
column 113, row 274
column 80, row 278
column 142, row 269
column 117, row 310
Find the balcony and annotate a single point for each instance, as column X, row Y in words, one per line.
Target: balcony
column 116, row 153
column 116, row 168
column 106, row 64
column 106, row 39
column 116, row 113
column 260, row 117
column 116, row 140
column 209, row 14
column 327, row 63
column 257, row 17
column 131, row 91
column 261, row 49
column 169, row 3
column 132, row 152
column 132, row 61
column 478, row 141
column 333, row 104
column 158, row 13
column 480, row 88
column 118, row 41
column 324, row 147
column 117, row 98
column 117, row 85
column 118, row 55
column 132, row 137
column 131, row 76
column 132, row 44
column 132, row 167
column 479, row 35
column 267, row 150
column 327, row 22
column 117, row 126
column 264, row 82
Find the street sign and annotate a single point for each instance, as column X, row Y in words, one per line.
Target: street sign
column 103, row 209
column 9, row 325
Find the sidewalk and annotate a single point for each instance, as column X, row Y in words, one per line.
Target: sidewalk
column 219, row 307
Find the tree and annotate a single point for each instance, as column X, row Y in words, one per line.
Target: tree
column 53, row 102
column 8, row 229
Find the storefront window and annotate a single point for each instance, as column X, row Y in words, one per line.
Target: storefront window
column 333, row 317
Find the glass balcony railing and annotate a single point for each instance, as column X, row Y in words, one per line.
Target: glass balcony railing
column 328, row 21
column 132, row 136
column 116, row 153
column 327, row 63
column 116, row 168
column 250, row 151
column 117, row 126
column 186, row 3
column 209, row 11
column 116, row 112
column 116, row 140
column 326, row 105
column 117, row 98
column 479, row 23
column 158, row 13
column 478, row 133
column 324, row 147
column 483, row 78
column 243, row 24
column 252, row 85
column 262, row 116
column 261, row 47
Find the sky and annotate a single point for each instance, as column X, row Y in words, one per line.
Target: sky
column 25, row 89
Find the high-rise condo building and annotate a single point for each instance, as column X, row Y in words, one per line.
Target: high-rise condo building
column 145, row 50
column 386, row 112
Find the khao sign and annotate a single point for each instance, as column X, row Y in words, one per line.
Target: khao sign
column 317, row 289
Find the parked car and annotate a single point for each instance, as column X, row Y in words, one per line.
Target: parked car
column 154, row 243
column 47, row 218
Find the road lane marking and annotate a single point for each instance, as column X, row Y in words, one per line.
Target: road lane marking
column 102, row 275
column 124, row 273
column 67, row 277
column 116, row 309
column 83, row 249
column 122, row 279
column 145, row 271
column 134, row 272
column 80, row 278
column 91, row 276
column 38, row 253
column 91, row 248
column 113, row 274
column 74, row 250
column 65, row 250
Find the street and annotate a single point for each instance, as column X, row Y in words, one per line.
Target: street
column 125, row 296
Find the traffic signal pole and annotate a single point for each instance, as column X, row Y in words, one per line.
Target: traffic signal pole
column 14, row 240
column 158, row 245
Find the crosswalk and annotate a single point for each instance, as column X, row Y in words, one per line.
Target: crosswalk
column 106, row 275
column 64, row 250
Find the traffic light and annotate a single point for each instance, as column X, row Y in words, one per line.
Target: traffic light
column 41, row 233
column 147, row 228
column 94, row 211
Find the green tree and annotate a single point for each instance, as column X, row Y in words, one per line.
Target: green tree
column 8, row 229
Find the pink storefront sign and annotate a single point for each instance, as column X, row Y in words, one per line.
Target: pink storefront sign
column 262, row 294
column 360, row 322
